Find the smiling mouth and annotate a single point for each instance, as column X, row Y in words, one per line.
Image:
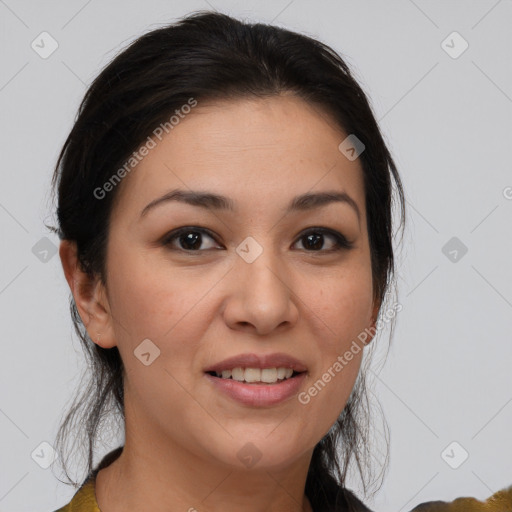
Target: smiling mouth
column 256, row 375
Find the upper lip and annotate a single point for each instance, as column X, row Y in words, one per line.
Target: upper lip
column 251, row 360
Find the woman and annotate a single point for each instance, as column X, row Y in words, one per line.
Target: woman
column 225, row 209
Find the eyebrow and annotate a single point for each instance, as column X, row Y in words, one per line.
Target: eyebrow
column 207, row 200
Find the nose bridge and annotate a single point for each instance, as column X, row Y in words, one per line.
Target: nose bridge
column 263, row 296
column 260, row 265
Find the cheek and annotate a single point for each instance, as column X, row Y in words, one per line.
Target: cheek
column 341, row 312
column 152, row 301
column 160, row 305
column 343, row 307
column 167, row 306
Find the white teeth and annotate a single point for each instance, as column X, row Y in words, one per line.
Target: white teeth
column 267, row 375
column 237, row 374
column 252, row 375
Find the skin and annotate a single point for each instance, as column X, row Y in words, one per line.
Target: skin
column 198, row 308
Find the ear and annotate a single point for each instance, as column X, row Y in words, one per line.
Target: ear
column 90, row 297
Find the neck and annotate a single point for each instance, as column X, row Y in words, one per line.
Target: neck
column 141, row 481
column 153, row 473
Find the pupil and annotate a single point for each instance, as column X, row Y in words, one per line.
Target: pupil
column 192, row 240
column 315, row 239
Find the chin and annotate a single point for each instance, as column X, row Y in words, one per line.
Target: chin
column 262, row 452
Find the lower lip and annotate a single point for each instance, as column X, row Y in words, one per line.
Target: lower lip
column 258, row 395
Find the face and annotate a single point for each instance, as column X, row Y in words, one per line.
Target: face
column 257, row 278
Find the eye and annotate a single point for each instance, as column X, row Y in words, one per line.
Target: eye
column 189, row 238
column 314, row 238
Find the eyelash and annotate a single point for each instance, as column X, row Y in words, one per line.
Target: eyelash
column 341, row 243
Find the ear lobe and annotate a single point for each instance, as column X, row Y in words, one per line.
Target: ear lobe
column 90, row 297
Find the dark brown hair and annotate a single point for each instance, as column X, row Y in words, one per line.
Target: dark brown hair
column 212, row 56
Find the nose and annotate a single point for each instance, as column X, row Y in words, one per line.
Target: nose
column 261, row 297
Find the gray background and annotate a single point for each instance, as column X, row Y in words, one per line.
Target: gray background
column 447, row 121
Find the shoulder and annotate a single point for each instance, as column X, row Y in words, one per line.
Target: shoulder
column 501, row 501
column 84, row 499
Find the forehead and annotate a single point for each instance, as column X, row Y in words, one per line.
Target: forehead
column 260, row 152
